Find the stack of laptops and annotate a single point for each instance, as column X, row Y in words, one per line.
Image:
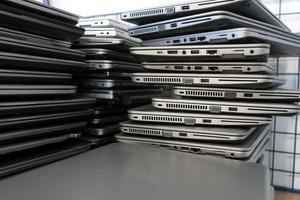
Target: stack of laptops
column 41, row 114
column 224, row 94
column 106, row 43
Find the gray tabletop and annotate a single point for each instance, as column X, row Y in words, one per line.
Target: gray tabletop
column 132, row 172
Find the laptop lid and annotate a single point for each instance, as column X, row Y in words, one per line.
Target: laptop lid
column 211, row 67
column 96, row 22
column 226, row 106
column 106, row 54
column 238, row 94
column 212, row 80
column 222, row 134
column 229, row 52
column 250, row 8
column 149, row 114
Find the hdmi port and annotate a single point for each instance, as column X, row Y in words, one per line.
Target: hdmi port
column 184, row 148
column 178, row 67
column 211, row 52
column 164, row 146
column 172, row 52
column 194, row 51
column 213, row 68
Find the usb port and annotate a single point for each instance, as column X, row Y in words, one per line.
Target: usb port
column 176, row 41
column 211, row 52
column 204, row 80
column 248, row 95
column 173, row 25
column 198, row 68
column 182, row 134
column 185, row 7
column 172, row 52
column 232, row 109
column 206, row 121
column 194, row 51
column 201, row 38
column 192, row 39
column 213, row 68
column 178, row 67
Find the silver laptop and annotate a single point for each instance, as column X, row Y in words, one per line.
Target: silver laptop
column 101, row 23
column 228, row 52
column 213, row 67
column 211, row 80
column 250, row 8
column 113, row 65
column 149, row 114
column 221, row 134
column 109, row 33
column 226, row 107
column 238, row 94
column 210, row 21
column 281, row 44
column 241, row 150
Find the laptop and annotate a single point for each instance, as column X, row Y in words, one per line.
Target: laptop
column 211, row 67
column 17, row 136
column 253, row 81
column 9, row 44
column 226, row 107
column 52, row 29
column 108, row 83
column 110, row 33
column 21, row 146
column 115, row 44
column 102, row 130
column 28, row 159
column 105, row 74
column 226, row 52
column 37, row 9
column 113, row 65
column 281, row 44
column 110, row 110
column 95, row 120
column 240, row 150
column 149, row 114
column 106, row 54
column 193, row 133
column 250, row 8
column 24, row 62
column 118, row 93
column 17, row 90
column 18, row 35
column 44, row 106
column 20, row 122
column 204, row 22
column 95, row 22
column 278, row 95
column 22, row 76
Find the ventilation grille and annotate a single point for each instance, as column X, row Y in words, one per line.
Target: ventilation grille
column 202, row 93
column 144, row 131
column 162, row 80
column 147, row 13
column 187, row 106
column 144, row 31
column 162, row 119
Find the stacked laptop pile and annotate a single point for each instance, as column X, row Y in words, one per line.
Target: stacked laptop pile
column 106, row 43
column 41, row 116
column 224, row 95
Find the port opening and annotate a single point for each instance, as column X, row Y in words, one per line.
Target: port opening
column 201, row 38
column 248, row 95
column 178, row 67
column 213, row 68
column 206, row 121
column 233, row 109
column 182, row 134
column 195, row 51
column 174, row 25
column 204, row 80
column 172, row 52
column 211, row 52
column 185, row 7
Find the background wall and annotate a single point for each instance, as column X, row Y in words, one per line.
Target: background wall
column 285, row 150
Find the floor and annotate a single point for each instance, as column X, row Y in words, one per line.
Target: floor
column 279, row 195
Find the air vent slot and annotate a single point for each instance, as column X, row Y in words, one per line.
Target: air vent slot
column 143, row 31
column 144, row 131
column 204, row 93
column 186, row 106
column 162, row 119
column 162, row 80
column 146, row 13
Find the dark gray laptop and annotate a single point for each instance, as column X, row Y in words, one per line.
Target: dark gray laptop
column 113, row 65
column 250, row 8
column 150, row 114
column 108, row 83
column 258, row 52
column 216, row 134
column 282, row 95
column 211, row 67
column 252, row 81
column 226, row 107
